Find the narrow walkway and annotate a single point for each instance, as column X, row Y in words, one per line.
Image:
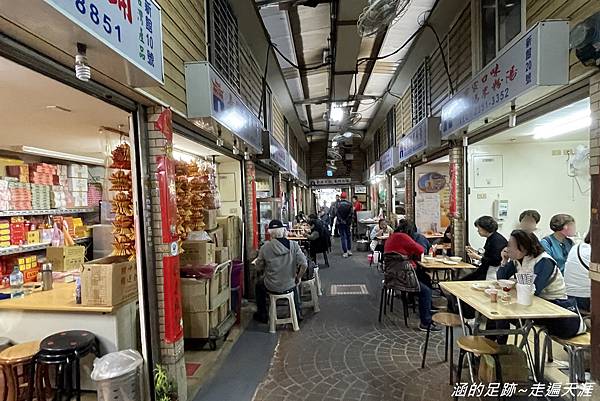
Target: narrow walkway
column 343, row 353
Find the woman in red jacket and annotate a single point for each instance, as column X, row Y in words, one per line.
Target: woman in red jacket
column 403, row 244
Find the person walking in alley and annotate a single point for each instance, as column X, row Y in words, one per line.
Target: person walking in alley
column 344, row 214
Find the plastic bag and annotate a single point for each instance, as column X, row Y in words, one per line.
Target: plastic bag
column 116, row 364
column 199, row 236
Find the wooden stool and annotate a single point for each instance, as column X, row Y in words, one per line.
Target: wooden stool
column 575, row 348
column 449, row 321
column 65, row 351
column 16, row 367
column 478, row 345
column 273, row 320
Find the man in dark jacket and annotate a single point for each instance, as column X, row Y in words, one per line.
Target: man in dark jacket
column 319, row 237
column 344, row 214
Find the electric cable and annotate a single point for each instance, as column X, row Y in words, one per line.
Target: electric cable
column 439, row 42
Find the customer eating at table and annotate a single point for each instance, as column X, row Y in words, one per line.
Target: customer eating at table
column 408, row 227
column 528, row 220
column 577, row 274
column 558, row 245
column 524, row 254
column 487, row 228
column 382, row 229
column 401, row 243
column 281, row 265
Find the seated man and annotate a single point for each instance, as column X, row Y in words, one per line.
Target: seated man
column 319, row 237
column 282, row 264
column 382, row 229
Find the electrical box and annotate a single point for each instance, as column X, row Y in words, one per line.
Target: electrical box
column 500, row 209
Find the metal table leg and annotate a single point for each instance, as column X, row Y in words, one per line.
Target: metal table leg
column 464, row 329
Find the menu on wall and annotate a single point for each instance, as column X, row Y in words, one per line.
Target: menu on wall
column 427, row 212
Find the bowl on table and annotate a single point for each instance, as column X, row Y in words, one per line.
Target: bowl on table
column 429, row 259
column 506, row 283
column 455, row 258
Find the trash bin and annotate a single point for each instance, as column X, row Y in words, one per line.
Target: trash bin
column 118, row 376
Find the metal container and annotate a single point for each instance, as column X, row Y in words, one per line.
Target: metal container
column 47, row 277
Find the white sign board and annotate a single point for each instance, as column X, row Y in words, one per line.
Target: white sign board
column 388, row 159
column 360, row 189
column 539, row 58
column 423, row 136
column 330, row 181
column 209, row 95
column 132, row 28
column 293, row 167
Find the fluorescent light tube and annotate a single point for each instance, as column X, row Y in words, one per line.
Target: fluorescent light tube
column 30, row 150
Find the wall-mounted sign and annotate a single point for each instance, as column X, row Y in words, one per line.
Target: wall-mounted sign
column 209, row 95
column 374, row 169
column 431, row 182
column 293, row 167
column 302, row 176
column 133, row 29
column 425, row 135
column 388, row 160
column 360, row 189
column 330, row 181
column 540, row 58
column 273, row 150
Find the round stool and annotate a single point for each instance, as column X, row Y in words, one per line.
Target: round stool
column 314, row 296
column 449, row 321
column 575, row 347
column 16, row 367
column 478, row 345
column 64, row 351
column 273, row 320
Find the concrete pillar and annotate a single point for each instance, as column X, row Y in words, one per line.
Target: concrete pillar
column 250, row 219
column 595, row 221
column 171, row 355
column 459, row 229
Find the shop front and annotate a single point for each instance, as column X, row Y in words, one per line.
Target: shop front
column 387, row 162
column 72, row 253
column 429, row 179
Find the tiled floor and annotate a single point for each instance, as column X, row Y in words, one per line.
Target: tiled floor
column 343, row 353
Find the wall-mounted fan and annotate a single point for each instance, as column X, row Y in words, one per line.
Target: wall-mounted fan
column 379, row 15
column 579, row 167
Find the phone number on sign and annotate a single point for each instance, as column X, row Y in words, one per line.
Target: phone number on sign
column 98, row 17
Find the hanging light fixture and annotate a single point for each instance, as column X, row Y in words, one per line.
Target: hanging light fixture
column 246, row 154
column 219, row 141
column 236, row 150
column 83, row 72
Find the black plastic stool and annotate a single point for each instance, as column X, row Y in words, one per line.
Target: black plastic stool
column 65, row 351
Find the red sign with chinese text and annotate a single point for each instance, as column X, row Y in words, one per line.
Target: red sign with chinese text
column 172, row 308
column 453, row 185
column 168, row 198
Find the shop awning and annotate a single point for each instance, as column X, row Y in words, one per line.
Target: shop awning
column 211, row 97
column 424, row 136
column 125, row 45
column 532, row 67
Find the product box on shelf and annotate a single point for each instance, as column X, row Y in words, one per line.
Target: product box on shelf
column 210, row 219
column 65, row 258
column 108, row 281
column 77, row 171
column 216, row 235
column 33, row 237
column 78, row 185
column 197, row 252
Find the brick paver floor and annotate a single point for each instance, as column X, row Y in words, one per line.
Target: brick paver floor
column 343, row 353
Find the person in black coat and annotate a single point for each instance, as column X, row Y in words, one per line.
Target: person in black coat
column 487, row 227
column 319, row 237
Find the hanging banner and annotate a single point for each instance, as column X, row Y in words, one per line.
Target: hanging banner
column 172, row 309
column 453, row 184
column 164, row 124
column 133, row 29
column 539, row 59
column 168, row 198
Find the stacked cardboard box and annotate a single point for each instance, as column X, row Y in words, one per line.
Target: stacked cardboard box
column 43, row 173
column 78, row 184
column 232, row 235
column 108, row 281
column 206, row 303
column 197, row 253
column 65, row 258
column 4, row 195
column 41, row 197
column 58, row 197
column 20, row 195
column 20, row 172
